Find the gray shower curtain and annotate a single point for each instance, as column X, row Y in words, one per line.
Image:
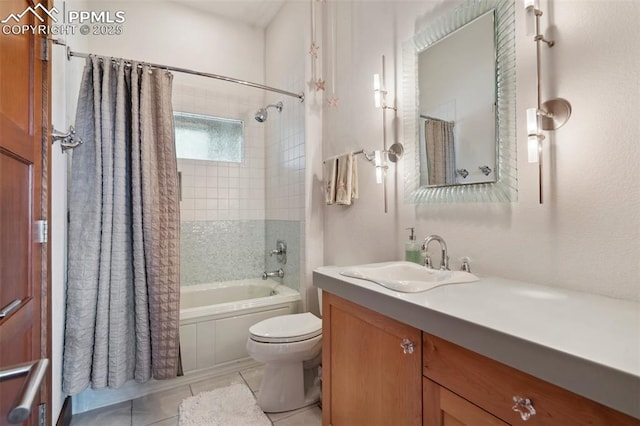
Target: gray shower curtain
column 123, row 294
column 441, row 156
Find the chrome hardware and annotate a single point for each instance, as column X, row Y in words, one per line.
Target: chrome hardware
column 444, row 261
column 466, row 265
column 524, row 407
column 279, row 273
column 67, row 140
column 407, row 346
column 40, row 231
column 427, row 262
column 486, row 170
column 280, row 251
column 10, row 308
column 35, row 372
column 463, row 172
column 395, row 152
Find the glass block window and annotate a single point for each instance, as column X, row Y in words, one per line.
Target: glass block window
column 202, row 137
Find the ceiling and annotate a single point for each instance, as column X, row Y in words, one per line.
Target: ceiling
column 257, row 13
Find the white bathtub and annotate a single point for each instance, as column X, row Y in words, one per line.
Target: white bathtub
column 215, row 319
column 214, row 326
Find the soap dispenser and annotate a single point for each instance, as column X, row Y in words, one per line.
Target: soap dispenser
column 412, row 251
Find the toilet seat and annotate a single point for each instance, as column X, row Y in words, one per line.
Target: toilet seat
column 287, row 328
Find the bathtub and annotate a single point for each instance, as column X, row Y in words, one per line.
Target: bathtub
column 215, row 319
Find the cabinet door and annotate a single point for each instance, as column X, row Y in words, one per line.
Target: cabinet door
column 442, row 407
column 368, row 377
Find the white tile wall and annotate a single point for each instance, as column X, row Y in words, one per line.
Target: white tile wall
column 285, row 157
column 219, row 190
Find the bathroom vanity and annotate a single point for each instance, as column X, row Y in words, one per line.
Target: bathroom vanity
column 492, row 352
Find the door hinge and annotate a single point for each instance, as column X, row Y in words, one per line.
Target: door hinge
column 42, row 415
column 44, row 49
column 40, row 231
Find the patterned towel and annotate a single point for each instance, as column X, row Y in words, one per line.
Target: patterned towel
column 347, row 179
column 330, row 174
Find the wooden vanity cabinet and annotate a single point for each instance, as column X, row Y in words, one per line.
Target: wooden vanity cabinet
column 490, row 386
column 371, row 373
column 372, row 376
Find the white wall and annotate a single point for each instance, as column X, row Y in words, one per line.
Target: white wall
column 586, row 234
column 170, row 33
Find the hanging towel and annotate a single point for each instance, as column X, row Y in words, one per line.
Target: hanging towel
column 347, row 180
column 354, row 178
column 330, row 174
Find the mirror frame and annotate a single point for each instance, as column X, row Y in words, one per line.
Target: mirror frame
column 505, row 188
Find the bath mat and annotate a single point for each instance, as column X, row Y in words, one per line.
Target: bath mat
column 233, row 405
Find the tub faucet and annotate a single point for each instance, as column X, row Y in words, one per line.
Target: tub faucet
column 444, row 262
column 279, row 273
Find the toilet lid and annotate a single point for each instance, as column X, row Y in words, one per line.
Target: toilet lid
column 287, row 328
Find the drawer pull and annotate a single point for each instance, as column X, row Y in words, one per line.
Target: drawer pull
column 407, row 346
column 524, row 407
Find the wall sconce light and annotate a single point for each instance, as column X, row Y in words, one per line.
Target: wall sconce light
column 380, row 167
column 394, row 153
column 380, row 90
column 377, row 91
column 549, row 115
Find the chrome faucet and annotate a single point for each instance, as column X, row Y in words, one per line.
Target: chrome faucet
column 444, row 262
column 279, row 273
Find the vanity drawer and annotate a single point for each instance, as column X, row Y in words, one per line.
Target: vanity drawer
column 492, row 386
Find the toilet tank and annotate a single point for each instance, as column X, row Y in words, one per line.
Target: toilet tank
column 320, row 301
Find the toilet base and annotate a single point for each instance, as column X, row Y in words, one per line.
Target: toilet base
column 288, row 386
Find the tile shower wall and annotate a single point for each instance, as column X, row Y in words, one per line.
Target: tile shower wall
column 223, row 204
column 285, row 172
column 289, row 231
column 285, row 162
column 221, row 250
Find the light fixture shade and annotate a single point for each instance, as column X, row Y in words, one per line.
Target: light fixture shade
column 532, row 121
column 377, row 96
column 378, row 163
column 533, row 150
column 530, row 7
column 533, row 135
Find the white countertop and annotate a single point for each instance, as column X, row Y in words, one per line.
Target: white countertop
column 583, row 342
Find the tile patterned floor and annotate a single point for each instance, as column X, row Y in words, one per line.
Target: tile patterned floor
column 161, row 408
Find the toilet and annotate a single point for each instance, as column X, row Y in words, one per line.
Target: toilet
column 290, row 346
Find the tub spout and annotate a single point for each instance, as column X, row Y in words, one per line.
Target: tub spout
column 279, row 273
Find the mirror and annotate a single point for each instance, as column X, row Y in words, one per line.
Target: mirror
column 456, row 108
column 459, row 74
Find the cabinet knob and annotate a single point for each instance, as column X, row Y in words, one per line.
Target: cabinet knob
column 524, row 407
column 407, row 346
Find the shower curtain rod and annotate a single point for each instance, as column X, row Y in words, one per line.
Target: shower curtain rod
column 426, row 117
column 300, row 96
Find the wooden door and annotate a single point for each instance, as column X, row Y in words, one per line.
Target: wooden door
column 368, row 379
column 442, row 407
column 23, row 124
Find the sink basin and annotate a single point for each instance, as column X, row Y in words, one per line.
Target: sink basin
column 407, row 277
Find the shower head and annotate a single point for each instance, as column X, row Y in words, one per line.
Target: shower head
column 261, row 114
